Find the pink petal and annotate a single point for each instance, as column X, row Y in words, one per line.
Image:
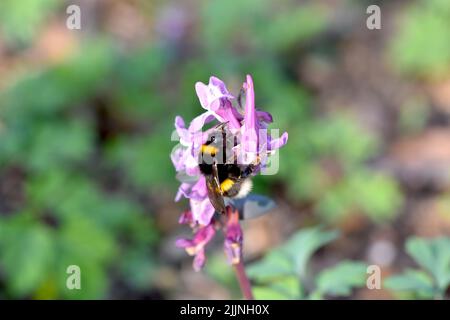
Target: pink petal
column 198, row 122
column 176, row 157
column 233, row 251
column 186, row 218
column 184, row 243
column 264, row 116
column 278, row 143
column 199, row 190
column 233, row 237
column 182, row 132
column 249, row 138
column 199, row 260
column 220, row 85
column 202, row 210
column 202, row 93
column 183, row 190
column 250, row 112
column 228, row 115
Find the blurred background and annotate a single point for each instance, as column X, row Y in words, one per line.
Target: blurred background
column 86, row 118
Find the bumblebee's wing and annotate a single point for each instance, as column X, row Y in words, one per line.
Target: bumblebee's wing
column 214, row 194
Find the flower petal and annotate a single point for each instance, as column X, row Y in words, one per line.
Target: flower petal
column 186, row 218
column 182, row 132
column 233, row 252
column 233, row 237
column 202, row 93
column 278, row 143
column 176, row 156
column 183, row 190
column 200, row 190
column 228, row 115
column 220, row 87
column 199, row 121
column 250, row 112
column 264, row 117
column 249, row 137
column 191, row 165
column 199, row 260
column 202, row 210
column 200, row 240
column 184, row 243
column 212, row 96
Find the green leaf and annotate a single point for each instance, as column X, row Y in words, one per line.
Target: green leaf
column 342, row 278
column 274, row 265
column 292, row 257
column 88, row 246
column 292, row 27
column 303, row 244
column 289, row 286
column 415, row 281
column 27, row 253
column 267, row 293
column 219, row 270
column 421, row 45
column 146, row 160
column 21, row 20
column 95, row 244
column 377, row 196
column 138, row 268
column 43, row 95
column 284, row 288
column 59, row 144
column 64, row 193
column 434, row 256
column 282, row 269
column 94, row 279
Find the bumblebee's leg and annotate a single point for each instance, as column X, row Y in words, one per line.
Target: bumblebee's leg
column 248, row 170
column 215, row 194
column 216, row 177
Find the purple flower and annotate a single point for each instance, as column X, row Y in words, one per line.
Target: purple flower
column 187, row 218
column 252, row 145
column 233, row 237
column 216, row 99
column 279, row 142
column 201, row 208
column 249, row 136
column 196, row 246
column 213, row 95
column 183, row 190
column 184, row 157
column 264, row 118
column 254, row 121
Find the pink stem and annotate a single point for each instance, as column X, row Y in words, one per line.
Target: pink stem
column 243, row 280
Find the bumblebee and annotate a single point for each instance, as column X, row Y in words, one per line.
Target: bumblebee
column 225, row 178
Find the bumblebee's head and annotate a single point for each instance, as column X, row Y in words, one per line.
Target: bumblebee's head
column 209, row 149
column 217, row 147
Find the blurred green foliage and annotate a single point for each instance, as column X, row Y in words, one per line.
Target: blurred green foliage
column 421, row 46
column 433, row 279
column 283, row 272
column 289, row 25
column 21, row 20
column 355, row 189
column 68, row 216
column 312, row 140
column 90, row 139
